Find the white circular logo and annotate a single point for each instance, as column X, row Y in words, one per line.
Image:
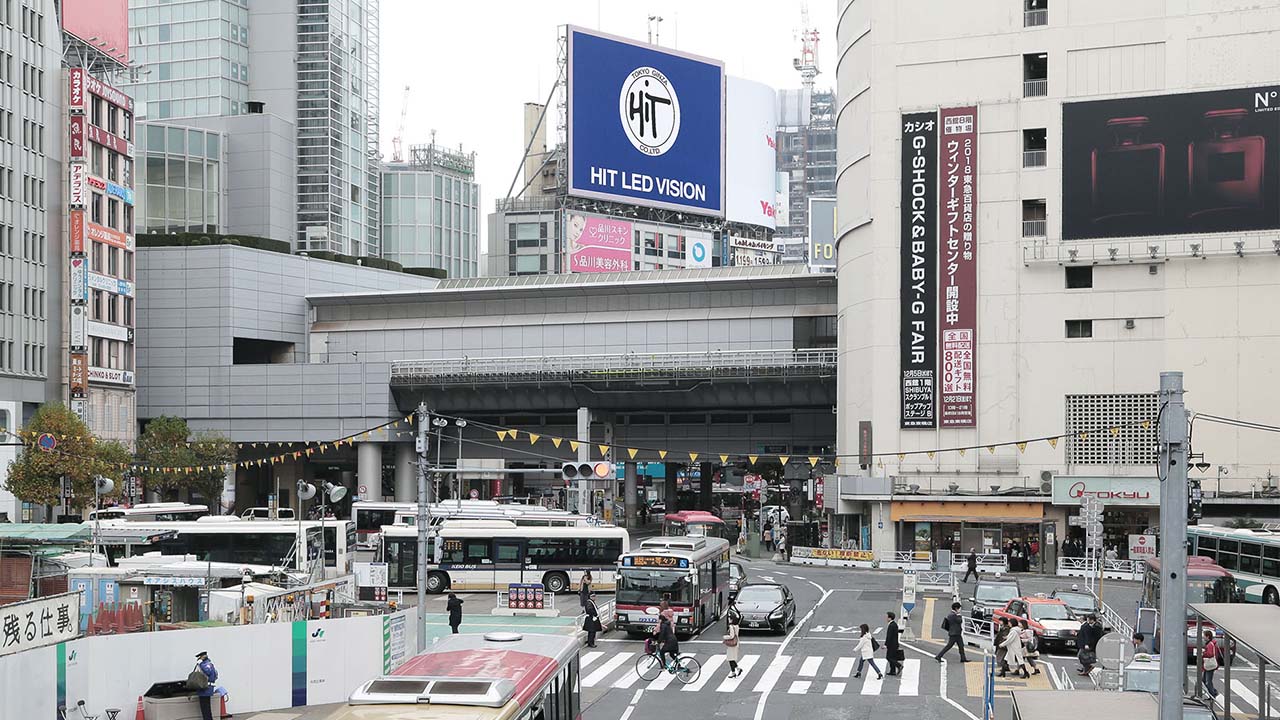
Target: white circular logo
column 650, row 110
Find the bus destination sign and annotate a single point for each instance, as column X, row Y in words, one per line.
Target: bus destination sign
column 656, row 561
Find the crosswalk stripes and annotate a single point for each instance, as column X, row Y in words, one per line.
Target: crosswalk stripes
column 812, row 674
column 731, row 684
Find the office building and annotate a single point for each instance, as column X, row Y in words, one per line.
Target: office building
column 313, row 65
column 430, row 211
column 807, row 162
column 184, row 177
column 1041, row 207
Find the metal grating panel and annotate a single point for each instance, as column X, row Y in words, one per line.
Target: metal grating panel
column 1096, row 415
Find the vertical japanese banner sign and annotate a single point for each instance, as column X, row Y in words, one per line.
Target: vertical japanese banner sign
column 919, row 273
column 958, row 265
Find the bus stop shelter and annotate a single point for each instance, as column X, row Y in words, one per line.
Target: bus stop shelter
column 1255, row 627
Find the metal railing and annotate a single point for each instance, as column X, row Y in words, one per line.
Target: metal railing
column 904, row 560
column 1035, row 18
column 990, row 563
column 1151, row 250
column 617, row 367
column 1035, row 228
column 1034, row 158
column 1035, row 88
column 979, row 633
column 986, row 485
column 1087, row 567
column 1112, row 619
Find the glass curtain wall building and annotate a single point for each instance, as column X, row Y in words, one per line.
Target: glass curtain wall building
column 193, row 57
column 185, row 188
column 431, row 211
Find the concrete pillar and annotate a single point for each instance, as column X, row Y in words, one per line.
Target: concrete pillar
column 672, row 489
column 406, row 475
column 369, row 467
column 629, row 490
column 583, row 504
column 706, row 470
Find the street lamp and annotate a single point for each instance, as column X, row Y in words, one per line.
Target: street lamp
column 101, row 486
column 457, row 475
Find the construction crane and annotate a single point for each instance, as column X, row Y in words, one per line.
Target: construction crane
column 397, row 142
column 807, row 63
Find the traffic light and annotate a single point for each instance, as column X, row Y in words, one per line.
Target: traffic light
column 1195, row 501
column 602, row 470
column 575, row 471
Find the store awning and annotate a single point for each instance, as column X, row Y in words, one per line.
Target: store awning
column 1255, row 626
column 986, row 512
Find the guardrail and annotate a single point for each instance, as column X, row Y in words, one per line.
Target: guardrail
column 617, row 367
column 939, row 581
column 979, row 633
column 988, row 563
column 1111, row 569
column 904, row 560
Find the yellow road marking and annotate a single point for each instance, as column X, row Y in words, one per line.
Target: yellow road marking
column 926, row 630
column 973, row 680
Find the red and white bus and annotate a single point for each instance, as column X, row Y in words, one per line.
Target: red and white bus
column 498, row 676
column 698, row 523
column 690, row 573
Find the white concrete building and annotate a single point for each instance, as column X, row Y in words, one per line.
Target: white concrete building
column 1168, row 259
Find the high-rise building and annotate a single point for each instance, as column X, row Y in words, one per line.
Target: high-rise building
column 312, row 64
column 31, row 216
column 1040, row 210
column 806, row 143
column 430, row 211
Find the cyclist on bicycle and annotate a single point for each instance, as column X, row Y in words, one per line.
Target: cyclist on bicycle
column 667, row 642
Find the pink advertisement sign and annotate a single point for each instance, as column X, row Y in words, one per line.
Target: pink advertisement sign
column 597, row 244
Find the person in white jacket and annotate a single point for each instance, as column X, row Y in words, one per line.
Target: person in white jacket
column 1014, row 652
column 866, row 652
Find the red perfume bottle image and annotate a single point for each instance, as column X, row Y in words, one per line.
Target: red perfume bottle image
column 1128, row 177
column 1224, row 169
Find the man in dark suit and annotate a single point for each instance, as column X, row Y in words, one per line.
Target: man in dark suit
column 972, row 562
column 954, row 627
column 892, row 653
column 592, row 621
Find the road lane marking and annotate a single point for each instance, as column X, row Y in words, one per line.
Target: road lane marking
column 844, row 667
column 926, row 627
column 771, row 674
column 799, row 687
column 603, row 671
column 942, row 690
column 628, row 678
column 1239, row 689
column 810, row 666
column 873, row 683
column 909, row 684
column 778, row 656
column 662, row 681
column 588, row 659
column 731, row 684
column 834, row 688
column 704, row 676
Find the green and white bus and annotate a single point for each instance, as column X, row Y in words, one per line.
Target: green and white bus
column 1252, row 556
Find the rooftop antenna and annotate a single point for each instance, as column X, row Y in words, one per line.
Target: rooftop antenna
column 397, row 154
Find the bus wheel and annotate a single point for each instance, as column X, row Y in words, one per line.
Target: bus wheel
column 1270, row 596
column 437, row 582
column 555, row 583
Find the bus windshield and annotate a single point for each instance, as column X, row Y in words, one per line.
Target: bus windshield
column 639, row 586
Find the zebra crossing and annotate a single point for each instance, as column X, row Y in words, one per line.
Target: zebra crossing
column 794, row 675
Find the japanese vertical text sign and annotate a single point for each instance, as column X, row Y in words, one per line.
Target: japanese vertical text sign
column 919, row 275
column 36, row 623
column 958, row 266
column 646, row 125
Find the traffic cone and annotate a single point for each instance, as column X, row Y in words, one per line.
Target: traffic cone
column 141, row 714
column 224, row 712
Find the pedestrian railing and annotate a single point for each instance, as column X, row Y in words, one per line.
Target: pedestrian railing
column 1111, row 569
column 608, row 612
column 978, row 632
column 904, row 560
column 938, row 581
column 1113, row 619
column 988, row 563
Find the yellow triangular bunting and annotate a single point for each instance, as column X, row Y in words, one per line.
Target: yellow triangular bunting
column 513, row 434
column 604, row 449
column 753, row 458
column 631, row 452
column 662, row 454
column 961, row 452
column 930, row 454
column 693, row 457
column 991, row 449
column 724, row 459
column 1115, row 431
column 784, row 459
column 1022, row 447
column 533, row 437
column 901, row 457
column 556, row 441
column 1053, row 443
column 813, row 461
column 502, row 435
column 573, row 445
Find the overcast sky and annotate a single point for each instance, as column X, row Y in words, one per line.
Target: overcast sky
column 471, row 65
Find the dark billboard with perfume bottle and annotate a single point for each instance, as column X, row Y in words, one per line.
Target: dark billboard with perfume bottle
column 1171, row 164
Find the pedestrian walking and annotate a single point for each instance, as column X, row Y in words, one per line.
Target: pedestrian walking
column 584, row 590
column 972, row 562
column 1140, row 644
column 892, row 652
column 733, row 651
column 1209, row 663
column 1030, row 645
column 209, row 688
column 1012, row 646
column 1112, row 555
column 866, row 651
column 591, row 623
column 1002, row 650
column 766, row 536
column 455, row 612
column 954, row 627
column 1087, row 640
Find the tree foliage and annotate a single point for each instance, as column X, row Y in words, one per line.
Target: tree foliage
column 214, row 452
column 36, row 475
column 162, row 451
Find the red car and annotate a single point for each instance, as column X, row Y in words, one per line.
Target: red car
column 1053, row 622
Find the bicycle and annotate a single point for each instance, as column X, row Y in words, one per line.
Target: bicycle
column 80, row 713
column 686, row 668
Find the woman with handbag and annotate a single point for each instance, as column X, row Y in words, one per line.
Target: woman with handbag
column 1030, row 646
column 732, row 651
column 1209, row 663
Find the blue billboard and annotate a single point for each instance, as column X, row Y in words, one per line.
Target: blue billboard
column 646, row 124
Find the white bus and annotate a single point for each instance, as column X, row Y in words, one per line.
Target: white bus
column 370, row 515
column 257, row 542
column 524, row 515
column 1251, row 556
column 491, row 554
column 152, row 512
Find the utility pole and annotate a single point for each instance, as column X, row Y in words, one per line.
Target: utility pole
column 422, row 445
column 1172, row 470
